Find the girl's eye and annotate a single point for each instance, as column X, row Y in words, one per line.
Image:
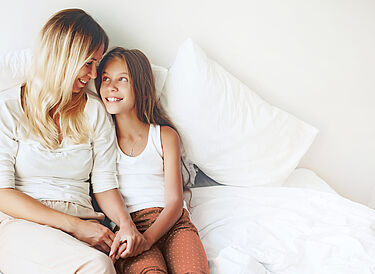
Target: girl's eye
column 89, row 63
column 105, row 79
column 123, row 79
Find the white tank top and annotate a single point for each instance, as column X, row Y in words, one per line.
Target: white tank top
column 141, row 178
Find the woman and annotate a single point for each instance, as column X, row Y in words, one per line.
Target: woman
column 54, row 136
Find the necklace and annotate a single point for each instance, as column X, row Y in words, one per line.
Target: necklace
column 131, row 154
column 125, row 144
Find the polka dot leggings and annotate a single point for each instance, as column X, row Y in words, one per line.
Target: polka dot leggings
column 180, row 250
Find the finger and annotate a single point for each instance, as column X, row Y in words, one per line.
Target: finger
column 139, row 246
column 130, row 246
column 135, row 246
column 128, row 251
column 102, row 247
column 115, row 245
column 137, row 251
column 121, row 250
column 105, row 247
column 112, row 236
column 108, row 241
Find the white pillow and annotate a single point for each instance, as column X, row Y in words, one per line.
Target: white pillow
column 13, row 68
column 15, row 64
column 228, row 131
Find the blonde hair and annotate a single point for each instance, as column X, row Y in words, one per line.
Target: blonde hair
column 67, row 41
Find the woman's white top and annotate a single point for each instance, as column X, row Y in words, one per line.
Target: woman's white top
column 61, row 174
column 141, row 178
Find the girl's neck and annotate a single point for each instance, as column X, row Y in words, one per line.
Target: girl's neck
column 129, row 126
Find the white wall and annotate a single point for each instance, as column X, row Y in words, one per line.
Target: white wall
column 314, row 59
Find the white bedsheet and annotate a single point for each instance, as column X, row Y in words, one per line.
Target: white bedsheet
column 283, row 230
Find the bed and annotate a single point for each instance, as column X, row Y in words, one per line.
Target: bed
column 256, row 212
column 304, row 226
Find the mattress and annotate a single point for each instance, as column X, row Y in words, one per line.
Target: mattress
column 302, row 227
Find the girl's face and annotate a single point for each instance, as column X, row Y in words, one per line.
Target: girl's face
column 88, row 71
column 116, row 90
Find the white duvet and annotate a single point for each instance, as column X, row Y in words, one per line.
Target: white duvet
column 283, row 230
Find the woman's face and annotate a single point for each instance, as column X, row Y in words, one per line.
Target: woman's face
column 116, row 90
column 88, row 71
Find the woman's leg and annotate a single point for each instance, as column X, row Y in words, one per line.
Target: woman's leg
column 182, row 248
column 150, row 261
column 27, row 247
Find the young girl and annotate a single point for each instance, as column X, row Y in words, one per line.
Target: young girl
column 149, row 171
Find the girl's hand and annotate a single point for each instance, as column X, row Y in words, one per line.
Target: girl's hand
column 128, row 242
column 95, row 234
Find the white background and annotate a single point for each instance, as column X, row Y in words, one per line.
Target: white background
column 314, row 59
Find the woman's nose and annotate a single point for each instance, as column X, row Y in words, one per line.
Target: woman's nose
column 92, row 73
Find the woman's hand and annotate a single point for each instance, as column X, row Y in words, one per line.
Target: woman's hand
column 128, row 242
column 95, row 234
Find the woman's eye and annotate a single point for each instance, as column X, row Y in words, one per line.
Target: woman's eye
column 104, row 79
column 89, row 63
column 123, row 79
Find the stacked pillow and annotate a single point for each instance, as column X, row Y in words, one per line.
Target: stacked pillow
column 228, row 131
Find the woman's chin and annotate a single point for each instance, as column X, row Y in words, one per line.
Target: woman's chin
column 77, row 89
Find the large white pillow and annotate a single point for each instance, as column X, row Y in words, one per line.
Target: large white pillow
column 14, row 66
column 228, row 131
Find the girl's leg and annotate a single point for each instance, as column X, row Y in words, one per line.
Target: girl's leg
column 27, row 247
column 182, row 248
column 150, row 261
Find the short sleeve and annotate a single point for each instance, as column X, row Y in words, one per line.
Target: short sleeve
column 103, row 174
column 8, row 149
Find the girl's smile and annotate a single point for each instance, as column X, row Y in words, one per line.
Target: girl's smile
column 115, row 90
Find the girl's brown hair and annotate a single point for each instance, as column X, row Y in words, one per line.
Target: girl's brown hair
column 148, row 108
column 142, row 81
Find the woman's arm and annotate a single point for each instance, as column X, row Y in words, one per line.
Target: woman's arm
column 19, row 205
column 172, row 189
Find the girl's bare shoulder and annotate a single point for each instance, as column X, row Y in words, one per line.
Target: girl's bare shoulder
column 169, row 136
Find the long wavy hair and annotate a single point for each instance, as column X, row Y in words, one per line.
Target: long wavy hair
column 148, row 108
column 67, row 41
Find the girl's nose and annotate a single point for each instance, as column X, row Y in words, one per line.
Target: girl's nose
column 113, row 87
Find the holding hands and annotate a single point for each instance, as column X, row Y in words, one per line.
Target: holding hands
column 128, row 242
